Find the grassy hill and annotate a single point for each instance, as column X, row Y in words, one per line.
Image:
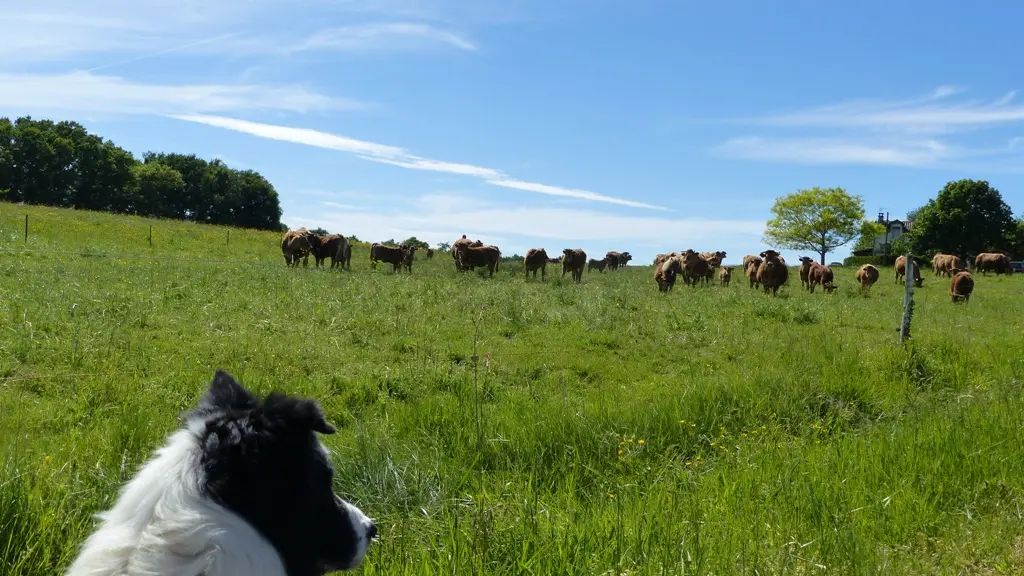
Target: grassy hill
column 606, row 427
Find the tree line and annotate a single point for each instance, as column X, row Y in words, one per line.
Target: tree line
column 967, row 217
column 61, row 164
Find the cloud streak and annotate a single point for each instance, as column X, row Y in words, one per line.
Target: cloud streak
column 383, row 36
column 399, row 157
column 87, row 92
column 918, row 133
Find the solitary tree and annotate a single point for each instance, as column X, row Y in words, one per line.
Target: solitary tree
column 818, row 220
column 966, row 218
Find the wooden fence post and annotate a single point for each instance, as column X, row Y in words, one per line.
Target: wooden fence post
column 26, row 229
column 229, row 237
column 150, row 235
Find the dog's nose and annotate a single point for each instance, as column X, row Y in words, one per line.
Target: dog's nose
column 371, row 531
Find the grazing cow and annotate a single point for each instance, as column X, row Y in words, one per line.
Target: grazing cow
column 901, row 265
column 993, row 261
column 410, row 253
column 805, row 268
column 750, row 265
column 820, row 274
column 347, row 257
column 725, row 274
column 772, row 272
column 394, row 255
column 624, row 259
column 611, row 259
column 574, row 260
column 471, row 257
column 695, row 268
column 458, row 246
column 600, row 264
column 714, row 258
column 536, row 258
column 961, row 286
column 944, row 264
column 665, row 275
column 866, row 276
column 298, row 244
column 430, row 253
column 334, row 246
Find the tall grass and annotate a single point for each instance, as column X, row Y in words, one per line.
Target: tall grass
column 510, row 426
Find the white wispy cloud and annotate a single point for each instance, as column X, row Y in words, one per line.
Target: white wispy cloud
column 444, row 217
column 88, row 92
column 400, row 157
column 837, row 151
column 923, row 132
column 383, row 36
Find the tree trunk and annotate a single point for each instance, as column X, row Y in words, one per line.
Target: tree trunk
column 822, row 256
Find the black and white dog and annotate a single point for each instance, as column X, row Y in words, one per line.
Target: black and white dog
column 244, row 489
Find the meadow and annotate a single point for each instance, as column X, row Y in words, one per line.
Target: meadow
column 512, row 426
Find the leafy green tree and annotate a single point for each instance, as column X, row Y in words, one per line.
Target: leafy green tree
column 419, row 244
column 966, row 218
column 1016, row 241
column 444, row 247
column 6, row 154
column 866, row 235
column 817, row 219
column 153, row 183
column 319, row 231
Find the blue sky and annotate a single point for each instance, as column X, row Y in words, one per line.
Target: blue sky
column 642, row 126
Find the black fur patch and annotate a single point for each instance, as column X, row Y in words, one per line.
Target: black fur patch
column 263, row 462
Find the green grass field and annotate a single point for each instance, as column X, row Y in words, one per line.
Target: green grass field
column 606, row 428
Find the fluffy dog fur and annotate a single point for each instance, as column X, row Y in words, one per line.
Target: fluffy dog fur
column 244, row 488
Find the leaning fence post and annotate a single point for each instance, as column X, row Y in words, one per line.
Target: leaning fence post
column 26, row 229
column 908, row 298
column 150, row 235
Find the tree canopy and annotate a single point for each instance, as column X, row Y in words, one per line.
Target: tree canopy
column 966, row 218
column 817, row 219
column 867, row 233
column 61, row 164
column 417, row 243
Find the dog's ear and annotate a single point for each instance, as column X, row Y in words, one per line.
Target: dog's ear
column 297, row 413
column 225, row 393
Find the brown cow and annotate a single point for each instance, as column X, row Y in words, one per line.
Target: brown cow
column 772, row 272
column 961, row 286
column 298, row 244
column 394, row 255
column 695, row 268
column 805, row 268
column 472, row 256
column 458, row 246
column 725, row 273
column 600, row 264
column 866, row 275
column 574, row 260
column 714, row 259
column 333, row 245
column 944, row 264
column 665, row 275
column 611, row 259
column 624, row 259
column 993, row 261
column 536, row 258
column 750, row 265
column 430, row 253
column 410, row 253
column 901, row 265
column 820, row 274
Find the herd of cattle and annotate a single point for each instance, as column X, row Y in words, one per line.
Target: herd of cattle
column 768, row 270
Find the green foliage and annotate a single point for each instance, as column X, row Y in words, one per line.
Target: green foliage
column 444, row 247
column 818, row 219
column 607, row 428
column 858, row 261
column 867, row 233
column 61, row 164
column 417, row 243
column 966, row 218
column 319, row 231
column 1015, row 242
